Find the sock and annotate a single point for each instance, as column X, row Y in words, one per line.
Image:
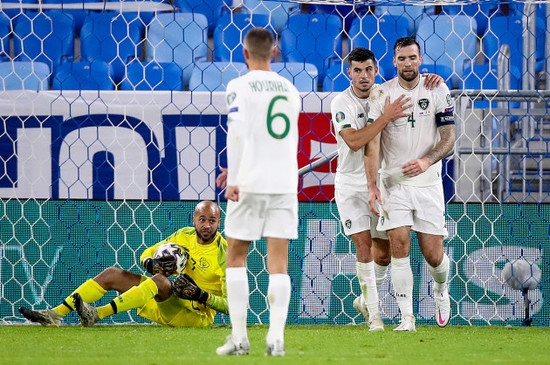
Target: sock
column 134, row 297
column 278, row 293
column 90, row 291
column 367, row 281
column 440, row 274
column 380, row 274
column 236, row 280
column 402, row 280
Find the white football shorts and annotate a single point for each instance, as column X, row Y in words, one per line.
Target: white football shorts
column 355, row 214
column 420, row 207
column 262, row 215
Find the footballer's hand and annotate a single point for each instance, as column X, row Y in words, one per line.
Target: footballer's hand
column 416, row 167
column 432, row 81
column 375, row 198
column 398, row 108
column 232, row 193
column 184, row 287
column 221, row 180
column 165, row 265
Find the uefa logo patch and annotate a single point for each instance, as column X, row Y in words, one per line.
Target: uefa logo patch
column 340, row 116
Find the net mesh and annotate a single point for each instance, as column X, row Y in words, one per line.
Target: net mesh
column 113, row 126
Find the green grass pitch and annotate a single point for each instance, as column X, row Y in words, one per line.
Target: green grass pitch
column 323, row 344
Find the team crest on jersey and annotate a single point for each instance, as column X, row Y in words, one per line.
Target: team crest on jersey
column 231, row 98
column 204, row 264
column 340, row 117
column 348, row 223
column 423, row 103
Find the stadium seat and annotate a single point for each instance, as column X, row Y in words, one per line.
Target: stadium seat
column 337, row 78
column 83, row 76
column 230, row 32
column 152, row 76
column 481, row 12
column 44, row 37
column 211, row 9
column 345, row 12
column 181, row 38
column 5, row 30
column 23, row 75
column 313, row 38
column 109, row 37
column 379, row 35
column 440, row 70
column 448, row 40
column 485, row 77
column 504, row 30
column 302, row 75
column 78, row 14
column 14, row 13
column 413, row 13
column 214, row 76
column 277, row 11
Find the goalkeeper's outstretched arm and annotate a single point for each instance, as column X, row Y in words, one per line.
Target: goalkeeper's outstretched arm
column 185, row 287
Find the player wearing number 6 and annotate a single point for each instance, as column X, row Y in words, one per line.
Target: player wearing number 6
column 262, row 181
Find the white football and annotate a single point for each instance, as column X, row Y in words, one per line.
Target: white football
column 173, row 249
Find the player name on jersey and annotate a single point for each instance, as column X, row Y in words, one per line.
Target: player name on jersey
column 267, row 85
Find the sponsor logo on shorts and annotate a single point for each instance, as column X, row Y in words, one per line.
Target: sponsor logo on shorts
column 381, row 221
column 340, row 117
column 423, row 103
column 348, row 223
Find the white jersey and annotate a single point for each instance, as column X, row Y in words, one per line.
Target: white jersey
column 409, row 138
column 349, row 111
column 262, row 137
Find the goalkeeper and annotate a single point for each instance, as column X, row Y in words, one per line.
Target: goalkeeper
column 192, row 300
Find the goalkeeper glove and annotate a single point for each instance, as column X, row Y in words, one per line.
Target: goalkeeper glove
column 165, row 265
column 185, row 287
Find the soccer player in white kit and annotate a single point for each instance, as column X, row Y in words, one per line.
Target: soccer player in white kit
column 262, row 183
column 411, row 191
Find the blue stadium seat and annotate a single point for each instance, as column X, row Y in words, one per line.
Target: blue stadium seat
column 14, row 13
column 346, row 12
column 277, row 11
column 337, row 78
column 481, row 12
column 109, row 37
column 440, row 70
column 44, row 37
column 181, row 38
column 215, row 76
column 78, row 14
column 504, row 30
column 83, row 76
column 413, row 13
column 302, row 75
column 5, row 30
column 379, row 35
column 448, row 40
column 230, row 32
column 211, row 9
column 484, row 76
column 313, row 38
column 152, row 76
column 23, row 75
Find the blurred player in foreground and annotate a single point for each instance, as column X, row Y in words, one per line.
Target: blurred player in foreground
column 191, row 301
column 411, row 189
column 262, row 181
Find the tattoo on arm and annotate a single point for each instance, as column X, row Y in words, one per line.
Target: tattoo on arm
column 445, row 145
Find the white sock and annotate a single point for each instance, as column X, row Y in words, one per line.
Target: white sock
column 380, row 273
column 236, row 280
column 278, row 293
column 367, row 280
column 402, row 280
column 440, row 274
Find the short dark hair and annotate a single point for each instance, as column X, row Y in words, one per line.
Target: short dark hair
column 405, row 42
column 361, row 54
column 259, row 42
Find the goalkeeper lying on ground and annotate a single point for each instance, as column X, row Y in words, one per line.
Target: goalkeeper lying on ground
column 191, row 300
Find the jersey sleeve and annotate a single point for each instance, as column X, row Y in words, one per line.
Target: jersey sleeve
column 444, row 106
column 342, row 114
column 376, row 103
column 235, row 122
column 216, row 302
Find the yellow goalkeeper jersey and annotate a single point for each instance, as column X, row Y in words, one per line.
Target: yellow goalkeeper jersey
column 206, row 263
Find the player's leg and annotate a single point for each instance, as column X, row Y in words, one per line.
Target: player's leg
column 381, row 255
column 158, row 287
column 278, row 293
column 90, row 291
column 402, row 276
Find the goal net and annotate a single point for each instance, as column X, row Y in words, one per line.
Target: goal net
column 113, row 126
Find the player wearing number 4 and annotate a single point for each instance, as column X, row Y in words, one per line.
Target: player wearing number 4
column 262, row 181
column 191, row 301
column 350, row 114
column 411, row 191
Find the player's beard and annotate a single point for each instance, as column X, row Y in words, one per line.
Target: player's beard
column 409, row 77
column 206, row 236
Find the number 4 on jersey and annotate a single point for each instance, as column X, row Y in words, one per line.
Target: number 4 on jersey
column 411, row 120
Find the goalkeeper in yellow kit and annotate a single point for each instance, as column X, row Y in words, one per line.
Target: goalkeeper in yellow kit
column 192, row 300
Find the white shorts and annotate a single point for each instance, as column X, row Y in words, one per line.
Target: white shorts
column 262, row 215
column 355, row 214
column 420, row 207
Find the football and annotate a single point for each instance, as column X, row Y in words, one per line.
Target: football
column 173, row 249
